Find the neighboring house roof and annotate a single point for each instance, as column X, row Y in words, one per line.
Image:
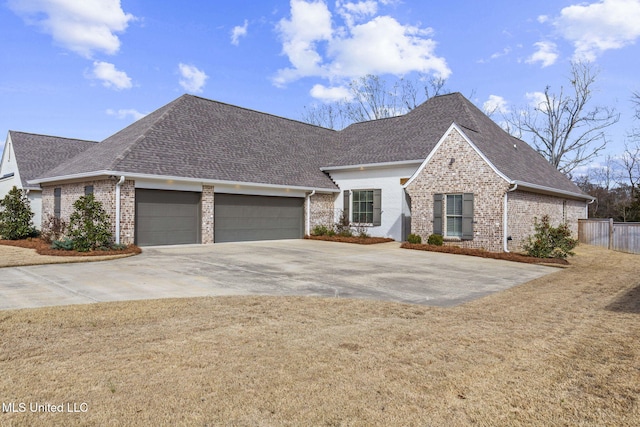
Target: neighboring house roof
column 197, row 138
column 37, row 154
column 194, row 137
column 415, row 134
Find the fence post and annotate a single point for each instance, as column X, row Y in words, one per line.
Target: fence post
column 610, row 233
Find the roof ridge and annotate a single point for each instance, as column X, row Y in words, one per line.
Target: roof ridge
column 256, row 111
column 52, row 136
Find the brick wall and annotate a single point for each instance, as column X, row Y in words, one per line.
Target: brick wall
column 127, row 212
column 524, row 207
column 322, row 209
column 207, row 203
column 103, row 191
column 468, row 173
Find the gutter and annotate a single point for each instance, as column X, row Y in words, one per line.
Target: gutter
column 308, row 222
column 118, row 185
column 505, row 217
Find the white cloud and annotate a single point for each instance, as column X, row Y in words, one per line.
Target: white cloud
column 329, row 94
column 354, row 12
column 496, row 104
column 124, row 113
column 597, row 27
column 110, row 76
column 378, row 45
column 537, row 100
column 82, row 26
column 193, row 79
column 239, row 31
column 546, row 54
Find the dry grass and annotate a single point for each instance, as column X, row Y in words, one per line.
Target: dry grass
column 560, row 350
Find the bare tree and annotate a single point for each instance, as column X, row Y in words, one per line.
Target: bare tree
column 370, row 98
column 630, row 167
column 635, row 100
column 563, row 127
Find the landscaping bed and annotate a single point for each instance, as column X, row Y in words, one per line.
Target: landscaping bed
column 507, row 256
column 351, row 239
column 44, row 248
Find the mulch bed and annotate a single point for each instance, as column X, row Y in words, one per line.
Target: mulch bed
column 44, row 248
column 354, row 239
column 507, row 256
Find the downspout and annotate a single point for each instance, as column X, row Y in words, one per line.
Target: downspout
column 586, row 208
column 118, row 185
column 505, row 217
column 308, row 222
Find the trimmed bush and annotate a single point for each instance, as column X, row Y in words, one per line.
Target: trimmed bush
column 65, row 244
column 89, row 225
column 320, row 230
column 16, row 217
column 414, row 239
column 435, row 239
column 550, row 242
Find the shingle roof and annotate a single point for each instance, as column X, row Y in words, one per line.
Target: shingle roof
column 198, row 138
column 37, row 154
column 193, row 137
column 415, row 134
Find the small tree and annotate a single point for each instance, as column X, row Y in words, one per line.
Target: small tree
column 550, row 242
column 16, row 217
column 89, row 225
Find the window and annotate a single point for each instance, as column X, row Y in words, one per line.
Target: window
column 88, row 190
column 366, row 206
column 57, row 193
column 363, row 207
column 453, row 215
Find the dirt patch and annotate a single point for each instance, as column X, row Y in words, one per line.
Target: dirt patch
column 352, row 239
column 549, row 352
column 15, row 253
column 507, row 256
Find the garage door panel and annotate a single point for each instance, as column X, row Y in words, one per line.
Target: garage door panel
column 167, row 217
column 246, row 218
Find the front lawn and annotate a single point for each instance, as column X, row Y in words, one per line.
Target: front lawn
column 559, row 350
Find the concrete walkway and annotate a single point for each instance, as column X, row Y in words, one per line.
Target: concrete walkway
column 284, row 267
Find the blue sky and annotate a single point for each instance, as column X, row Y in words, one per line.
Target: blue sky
column 86, row 69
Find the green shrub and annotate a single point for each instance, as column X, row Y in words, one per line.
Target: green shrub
column 548, row 241
column 89, row 225
column 16, row 217
column 414, row 239
column 331, row 232
column 346, row 233
column 65, row 244
column 320, row 230
column 343, row 226
column 435, row 239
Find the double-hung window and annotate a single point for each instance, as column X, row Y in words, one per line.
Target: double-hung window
column 453, row 215
column 363, row 206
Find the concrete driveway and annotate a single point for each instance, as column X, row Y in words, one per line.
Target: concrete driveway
column 284, row 267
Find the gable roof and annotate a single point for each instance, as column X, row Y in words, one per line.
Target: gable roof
column 37, row 154
column 197, row 138
column 193, row 137
column 415, row 134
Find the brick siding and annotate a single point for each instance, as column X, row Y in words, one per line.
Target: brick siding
column 468, row 173
column 322, row 210
column 524, row 207
column 207, row 203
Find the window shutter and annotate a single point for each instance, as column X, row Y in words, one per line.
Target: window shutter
column 345, row 209
column 377, row 207
column 88, row 190
column 57, row 196
column 467, row 216
column 437, row 214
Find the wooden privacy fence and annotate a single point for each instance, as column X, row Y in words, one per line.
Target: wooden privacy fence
column 618, row 236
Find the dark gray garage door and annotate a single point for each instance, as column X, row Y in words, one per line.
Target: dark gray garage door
column 240, row 218
column 167, row 217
